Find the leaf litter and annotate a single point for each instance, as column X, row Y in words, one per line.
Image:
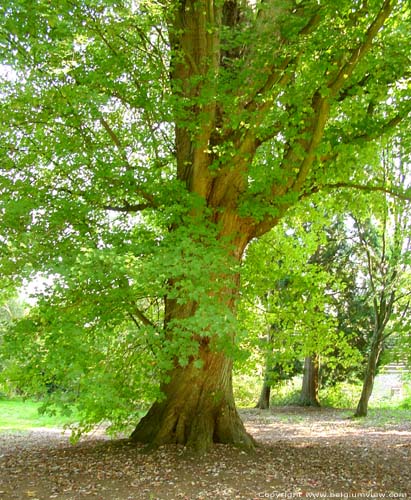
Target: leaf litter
column 300, row 452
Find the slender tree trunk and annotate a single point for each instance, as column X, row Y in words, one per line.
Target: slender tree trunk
column 368, row 383
column 309, row 390
column 264, row 399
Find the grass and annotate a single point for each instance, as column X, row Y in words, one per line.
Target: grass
column 385, row 417
column 19, row 415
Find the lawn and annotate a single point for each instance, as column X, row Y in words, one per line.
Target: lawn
column 18, row 415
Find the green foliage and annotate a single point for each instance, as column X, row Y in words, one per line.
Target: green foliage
column 246, row 389
column 95, row 340
column 291, row 294
column 406, row 403
column 341, row 395
column 327, row 286
column 286, row 393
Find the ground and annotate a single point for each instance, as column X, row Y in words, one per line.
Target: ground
column 302, row 453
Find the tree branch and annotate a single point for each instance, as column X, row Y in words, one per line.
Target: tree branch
column 278, row 74
column 114, row 137
column 403, row 195
column 128, row 207
column 396, row 120
column 141, row 316
column 357, row 54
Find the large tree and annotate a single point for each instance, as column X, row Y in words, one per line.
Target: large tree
column 155, row 140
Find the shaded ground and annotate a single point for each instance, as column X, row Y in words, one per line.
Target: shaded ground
column 303, row 454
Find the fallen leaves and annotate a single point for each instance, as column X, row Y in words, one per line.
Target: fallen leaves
column 316, row 452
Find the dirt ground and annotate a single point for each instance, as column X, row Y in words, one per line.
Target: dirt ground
column 302, row 454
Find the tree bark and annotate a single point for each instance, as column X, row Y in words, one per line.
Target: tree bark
column 309, row 390
column 368, row 383
column 198, row 409
column 264, row 399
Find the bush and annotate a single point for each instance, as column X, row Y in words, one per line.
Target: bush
column 341, row 395
column 246, row 389
column 286, row 393
column 405, row 403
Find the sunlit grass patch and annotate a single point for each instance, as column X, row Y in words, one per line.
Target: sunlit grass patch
column 18, row 415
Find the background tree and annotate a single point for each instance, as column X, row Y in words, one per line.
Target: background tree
column 276, row 369
column 345, row 302
column 311, row 383
column 289, row 292
column 11, row 308
column 385, row 244
column 156, row 141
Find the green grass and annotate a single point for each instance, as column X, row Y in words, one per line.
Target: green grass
column 385, row 417
column 19, row 415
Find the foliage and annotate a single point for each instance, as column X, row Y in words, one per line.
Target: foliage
column 341, row 395
column 406, row 402
column 295, row 283
column 246, row 386
column 357, row 263
column 286, row 393
column 11, row 308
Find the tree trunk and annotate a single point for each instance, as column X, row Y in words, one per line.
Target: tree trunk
column 198, row 409
column 264, row 399
column 309, row 390
column 213, row 159
column 368, row 383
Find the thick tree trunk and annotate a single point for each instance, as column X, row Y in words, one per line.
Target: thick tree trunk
column 198, row 409
column 309, row 390
column 368, row 383
column 213, row 159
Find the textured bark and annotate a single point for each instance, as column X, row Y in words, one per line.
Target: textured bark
column 198, row 409
column 309, row 391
